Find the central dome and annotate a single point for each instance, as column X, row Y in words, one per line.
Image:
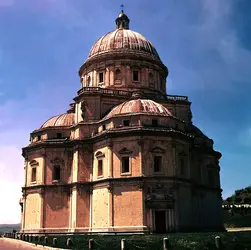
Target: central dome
column 121, row 39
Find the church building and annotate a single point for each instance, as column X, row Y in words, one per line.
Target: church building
column 125, row 157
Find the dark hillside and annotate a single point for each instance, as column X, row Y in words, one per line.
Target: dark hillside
column 9, row 228
column 240, row 196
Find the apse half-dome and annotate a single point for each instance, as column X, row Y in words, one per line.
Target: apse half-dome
column 62, row 120
column 139, row 106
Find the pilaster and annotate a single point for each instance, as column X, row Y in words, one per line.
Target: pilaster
column 110, row 160
column 73, row 207
column 110, row 207
column 42, row 208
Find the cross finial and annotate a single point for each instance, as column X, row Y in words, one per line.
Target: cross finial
column 122, row 7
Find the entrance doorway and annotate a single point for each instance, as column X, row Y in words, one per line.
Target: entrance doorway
column 160, row 221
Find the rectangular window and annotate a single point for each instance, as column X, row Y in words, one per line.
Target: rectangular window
column 33, row 174
column 59, row 135
column 103, row 127
column 182, row 166
column 154, row 123
column 210, row 178
column 135, row 75
column 125, row 164
column 39, row 137
column 56, row 173
column 100, row 167
column 157, row 161
column 126, row 123
column 101, row 77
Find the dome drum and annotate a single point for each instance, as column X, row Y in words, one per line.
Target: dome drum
column 121, row 74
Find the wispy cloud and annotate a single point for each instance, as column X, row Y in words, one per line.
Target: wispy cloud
column 244, row 137
column 6, row 3
column 207, row 50
column 64, row 11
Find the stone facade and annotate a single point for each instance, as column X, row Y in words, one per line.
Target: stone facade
column 125, row 157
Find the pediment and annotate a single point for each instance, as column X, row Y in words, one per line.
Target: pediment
column 158, row 150
column 125, row 151
column 33, row 163
column 211, row 165
column 57, row 161
column 183, row 153
column 99, row 154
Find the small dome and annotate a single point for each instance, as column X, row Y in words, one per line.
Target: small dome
column 123, row 39
column 139, row 106
column 59, row 120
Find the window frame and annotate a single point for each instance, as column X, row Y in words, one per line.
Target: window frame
column 103, row 77
column 129, row 165
column 33, row 175
column 182, row 167
column 100, row 156
column 211, row 178
column 117, row 80
column 124, row 123
column 88, row 81
column 138, row 75
column 160, row 163
column 151, row 80
column 153, row 123
column 59, row 135
column 33, row 164
column 100, row 160
column 58, row 166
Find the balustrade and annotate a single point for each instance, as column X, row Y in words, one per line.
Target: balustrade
column 124, row 93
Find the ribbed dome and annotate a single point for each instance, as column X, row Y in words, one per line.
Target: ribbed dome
column 59, row 120
column 139, row 106
column 121, row 39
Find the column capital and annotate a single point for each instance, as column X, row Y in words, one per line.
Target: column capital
column 110, row 189
column 110, row 144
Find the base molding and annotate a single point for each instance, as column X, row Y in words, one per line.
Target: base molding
column 87, row 230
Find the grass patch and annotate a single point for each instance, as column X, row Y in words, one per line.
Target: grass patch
column 178, row 241
column 237, row 220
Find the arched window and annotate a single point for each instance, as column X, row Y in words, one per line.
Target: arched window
column 56, row 173
column 117, row 76
column 151, row 80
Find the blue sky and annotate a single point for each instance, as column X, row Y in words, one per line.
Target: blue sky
column 206, row 44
